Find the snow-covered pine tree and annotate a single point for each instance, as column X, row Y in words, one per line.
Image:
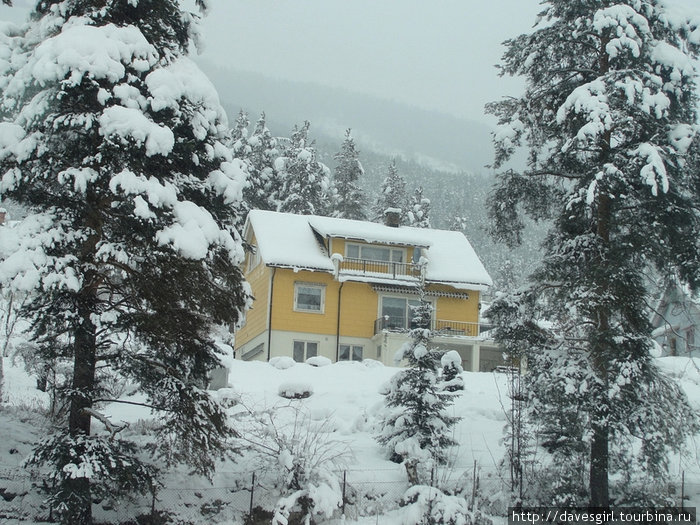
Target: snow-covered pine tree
column 418, row 214
column 305, row 186
column 609, row 115
column 239, row 136
column 416, row 427
column 351, row 201
column 117, row 145
column 263, row 182
column 392, row 195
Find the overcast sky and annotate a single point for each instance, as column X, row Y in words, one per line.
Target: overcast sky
column 436, row 55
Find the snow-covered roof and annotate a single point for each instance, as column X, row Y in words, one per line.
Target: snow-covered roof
column 296, row 241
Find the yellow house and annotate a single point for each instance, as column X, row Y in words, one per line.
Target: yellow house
column 343, row 289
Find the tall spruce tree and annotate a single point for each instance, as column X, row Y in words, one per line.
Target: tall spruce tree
column 609, row 115
column 392, row 195
column 117, row 145
column 263, row 180
column 305, row 186
column 351, row 201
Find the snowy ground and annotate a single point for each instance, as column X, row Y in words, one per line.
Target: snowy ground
column 343, row 406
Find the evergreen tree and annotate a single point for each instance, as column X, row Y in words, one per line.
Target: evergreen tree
column 609, row 115
column 305, row 185
column 239, row 136
column 263, row 181
column 416, row 428
column 118, row 147
column 393, row 195
column 418, row 214
column 351, row 201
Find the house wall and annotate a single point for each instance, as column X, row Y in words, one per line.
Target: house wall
column 456, row 309
column 359, row 305
column 256, row 317
column 680, row 316
column 285, row 319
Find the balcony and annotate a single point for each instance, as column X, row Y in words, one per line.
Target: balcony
column 440, row 327
column 368, row 267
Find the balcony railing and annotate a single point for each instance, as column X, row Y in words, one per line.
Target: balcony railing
column 383, row 268
column 438, row 326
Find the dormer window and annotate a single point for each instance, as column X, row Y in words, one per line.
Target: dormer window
column 369, row 252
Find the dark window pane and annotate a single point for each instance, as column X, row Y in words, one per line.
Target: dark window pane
column 299, row 351
column 353, row 251
column 311, row 350
column 344, row 353
column 394, row 312
column 309, row 298
column 375, row 253
column 357, row 353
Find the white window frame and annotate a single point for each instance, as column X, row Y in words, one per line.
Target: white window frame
column 306, row 349
column 392, row 252
column 321, row 287
column 351, row 348
column 253, row 259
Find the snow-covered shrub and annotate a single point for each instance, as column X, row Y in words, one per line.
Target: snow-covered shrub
column 295, row 390
column 451, row 371
column 415, row 428
column 282, row 362
column 105, row 463
column 318, row 360
column 300, row 457
column 425, row 505
column 372, row 363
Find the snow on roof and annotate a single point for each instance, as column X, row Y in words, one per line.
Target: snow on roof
column 296, row 241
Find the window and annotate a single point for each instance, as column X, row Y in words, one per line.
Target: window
column 309, row 297
column 253, row 259
column 350, row 353
column 374, row 253
column 397, row 312
column 304, row 349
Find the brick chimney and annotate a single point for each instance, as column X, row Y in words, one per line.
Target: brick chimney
column 392, row 217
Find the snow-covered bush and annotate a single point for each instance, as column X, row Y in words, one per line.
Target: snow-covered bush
column 318, row 360
column 295, row 390
column 300, row 457
column 451, row 371
column 426, row 505
column 282, row 363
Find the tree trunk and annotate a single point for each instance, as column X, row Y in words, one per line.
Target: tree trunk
column 599, row 466
column 598, row 480
column 79, row 502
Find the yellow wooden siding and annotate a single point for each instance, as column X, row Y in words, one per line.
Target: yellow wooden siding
column 459, row 310
column 256, row 317
column 283, row 315
column 358, row 310
column 337, row 246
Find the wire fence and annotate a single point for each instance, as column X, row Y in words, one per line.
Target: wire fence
column 250, row 497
